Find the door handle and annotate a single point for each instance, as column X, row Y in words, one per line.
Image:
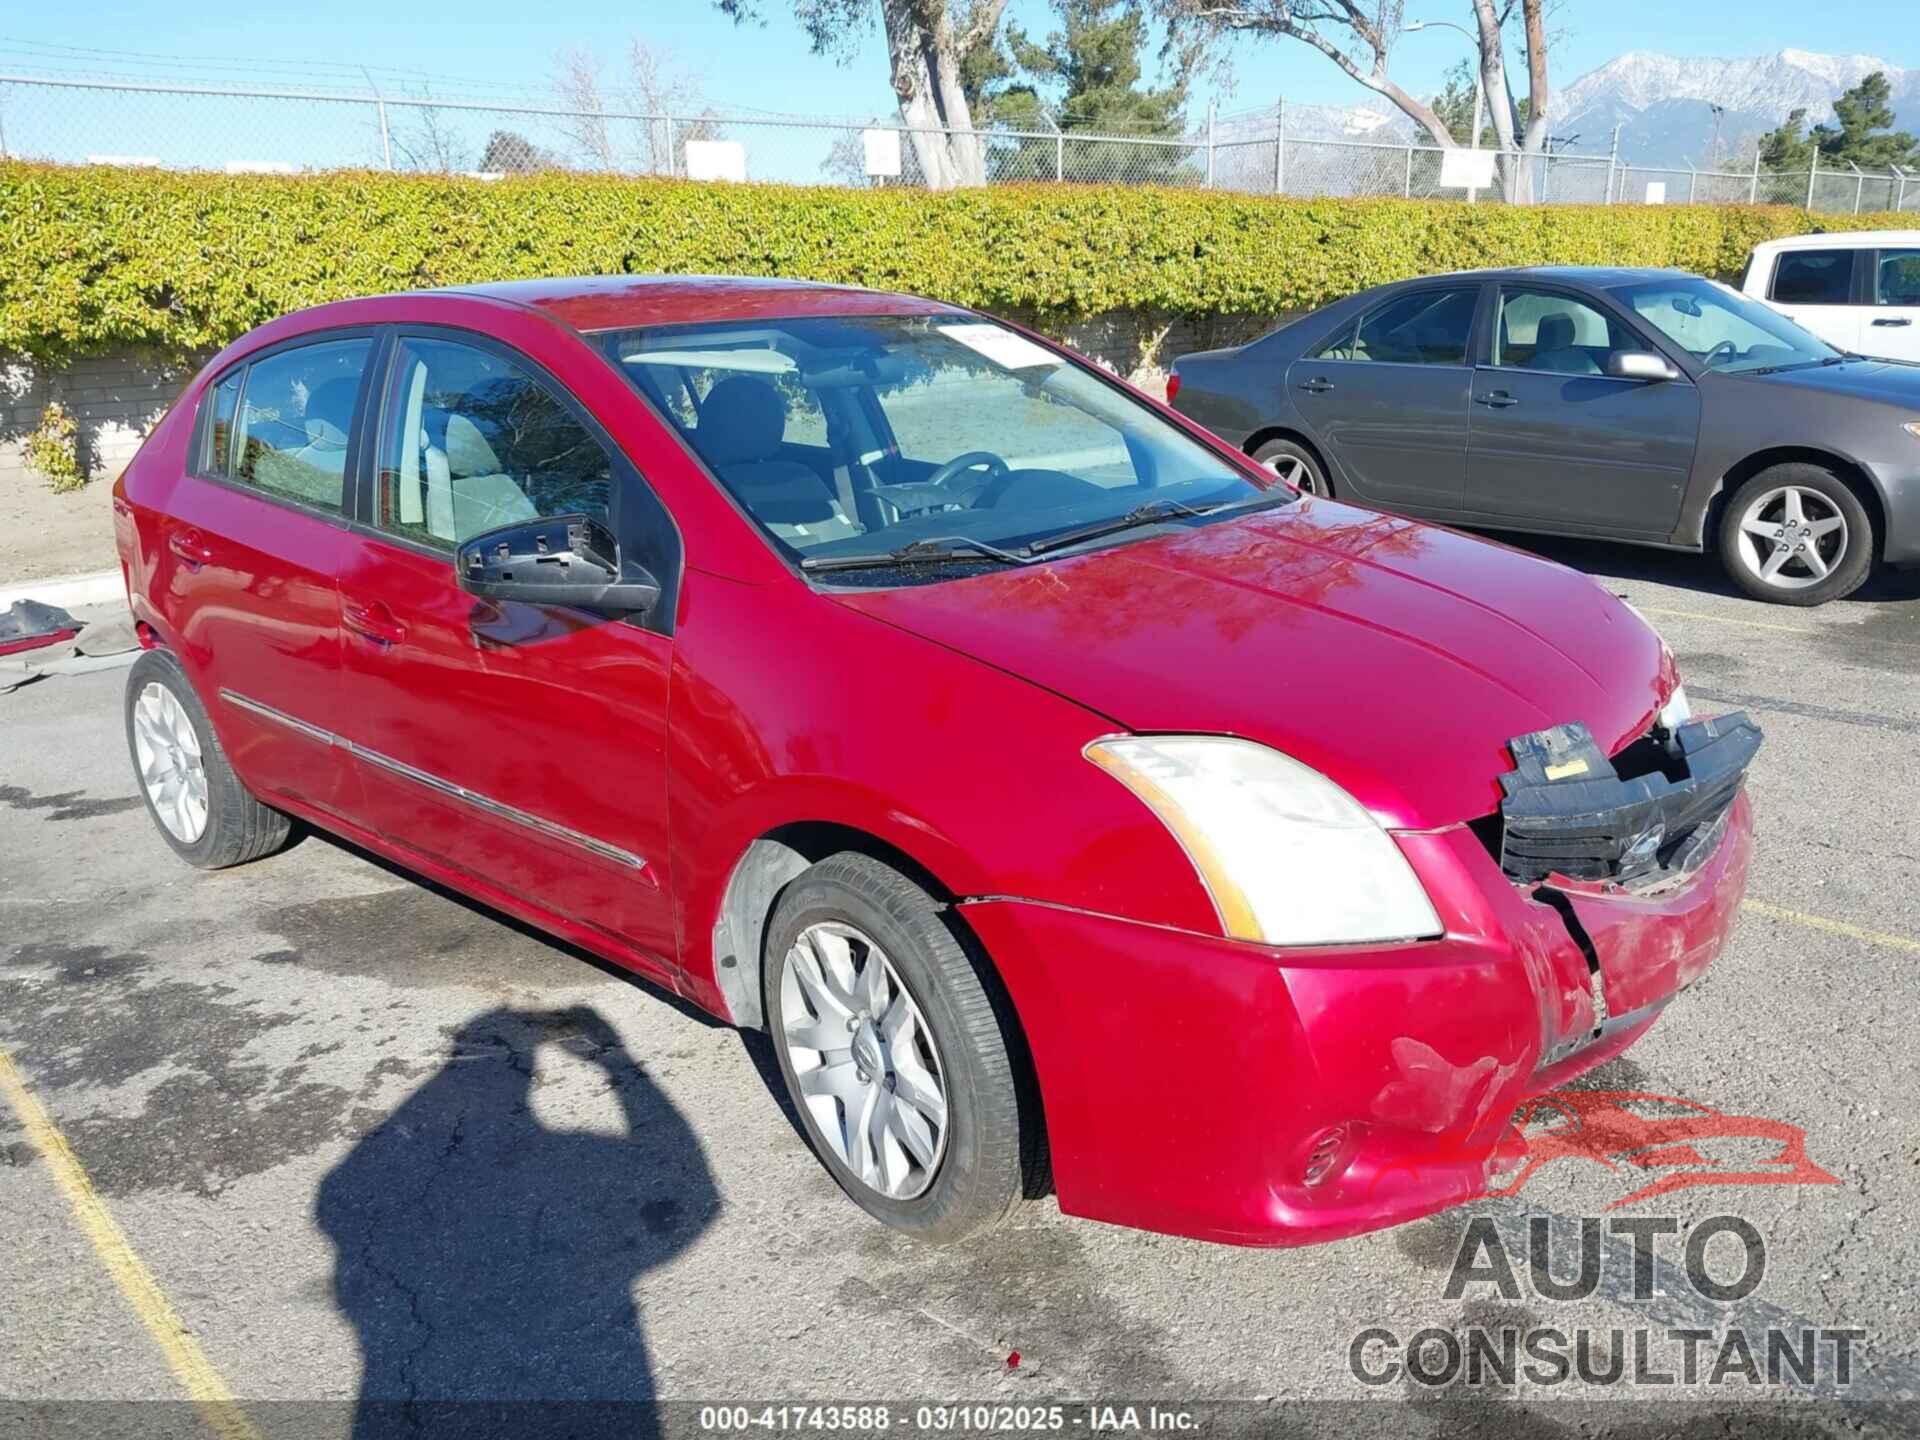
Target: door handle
column 1890, row 320
column 1498, row 400
column 190, row 547
column 1319, row 385
column 373, row 621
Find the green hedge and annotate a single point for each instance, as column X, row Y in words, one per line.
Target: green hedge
column 93, row 259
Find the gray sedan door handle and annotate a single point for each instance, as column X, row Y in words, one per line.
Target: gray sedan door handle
column 1319, row 385
column 1498, row 400
column 1902, row 320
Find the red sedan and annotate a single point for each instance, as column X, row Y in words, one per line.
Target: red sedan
column 1068, row 799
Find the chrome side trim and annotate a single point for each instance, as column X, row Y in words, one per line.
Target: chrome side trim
column 484, row 803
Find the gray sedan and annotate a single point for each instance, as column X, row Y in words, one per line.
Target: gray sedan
column 1642, row 405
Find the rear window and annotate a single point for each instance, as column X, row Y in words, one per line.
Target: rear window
column 1813, row 277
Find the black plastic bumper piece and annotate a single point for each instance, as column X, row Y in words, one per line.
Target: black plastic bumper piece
column 1569, row 811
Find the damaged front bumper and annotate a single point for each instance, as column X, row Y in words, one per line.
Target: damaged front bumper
column 1282, row 1097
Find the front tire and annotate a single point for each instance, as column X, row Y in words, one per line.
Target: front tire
column 893, row 1051
column 1797, row 534
column 197, row 802
column 1295, row 464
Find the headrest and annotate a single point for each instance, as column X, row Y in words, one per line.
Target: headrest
column 330, row 412
column 468, row 452
column 1555, row 333
column 742, row 419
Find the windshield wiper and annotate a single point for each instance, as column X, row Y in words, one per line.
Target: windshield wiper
column 1152, row 512
column 934, row 550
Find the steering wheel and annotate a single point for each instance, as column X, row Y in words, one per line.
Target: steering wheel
column 968, row 460
column 1726, row 345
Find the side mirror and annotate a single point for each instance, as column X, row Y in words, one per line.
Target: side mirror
column 1640, row 365
column 560, row 560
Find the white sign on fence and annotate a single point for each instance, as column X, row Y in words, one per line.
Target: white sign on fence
column 716, row 160
column 1656, row 192
column 1466, row 169
column 883, row 152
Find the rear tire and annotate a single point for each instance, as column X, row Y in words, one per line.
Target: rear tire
column 197, row 803
column 1797, row 534
column 1295, row 464
column 911, row 1095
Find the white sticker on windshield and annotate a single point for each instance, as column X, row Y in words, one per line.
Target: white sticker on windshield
column 1003, row 347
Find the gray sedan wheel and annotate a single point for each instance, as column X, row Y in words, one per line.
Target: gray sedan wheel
column 1295, row 464
column 1796, row 535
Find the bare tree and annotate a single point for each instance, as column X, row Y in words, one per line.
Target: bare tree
column 1359, row 36
column 928, row 42
column 426, row 139
column 576, row 81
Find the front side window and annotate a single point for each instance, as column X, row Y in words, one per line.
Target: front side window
column 1428, row 327
column 1721, row 328
column 1813, row 277
column 297, row 409
column 942, row 429
column 471, row 441
column 1545, row 330
column 1899, row 278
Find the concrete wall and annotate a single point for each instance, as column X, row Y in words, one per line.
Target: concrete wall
column 117, row 397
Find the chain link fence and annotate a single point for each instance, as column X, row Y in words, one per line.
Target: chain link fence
column 79, row 121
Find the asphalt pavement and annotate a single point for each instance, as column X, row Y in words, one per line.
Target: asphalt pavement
column 310, row 1133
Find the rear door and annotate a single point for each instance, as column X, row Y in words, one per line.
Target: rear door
column 522, row 745
column 1558, row 443
column 1816, row 288
column 1388, row 397
column 1892, row 321
column 253, row 539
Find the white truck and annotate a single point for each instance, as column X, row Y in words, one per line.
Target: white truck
column 1859, row 290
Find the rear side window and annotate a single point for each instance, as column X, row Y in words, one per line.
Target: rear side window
column 216, row 429
column 1428, row 327
column 297, row 409
column 473, row 441
column 1899, row 278
column 1813, row 277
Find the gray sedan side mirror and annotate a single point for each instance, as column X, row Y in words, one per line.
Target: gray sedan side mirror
column 1640, row 365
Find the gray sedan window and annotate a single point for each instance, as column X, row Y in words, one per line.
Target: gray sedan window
column 1427, row 327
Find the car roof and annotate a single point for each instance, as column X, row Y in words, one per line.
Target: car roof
column 606, row 302
column 1841, row 240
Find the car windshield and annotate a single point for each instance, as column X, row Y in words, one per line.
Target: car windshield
column 1721, row 328
column 861, row 437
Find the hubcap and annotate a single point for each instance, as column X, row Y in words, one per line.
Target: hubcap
column 1792, row 537
column 168, row 753
column 1293, row 470
column 868, row 1068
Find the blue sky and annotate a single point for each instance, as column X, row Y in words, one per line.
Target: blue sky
column 473, row 45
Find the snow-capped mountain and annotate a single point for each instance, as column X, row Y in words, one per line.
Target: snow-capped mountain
column 1663, row 103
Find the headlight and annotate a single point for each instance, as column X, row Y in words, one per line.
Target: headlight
column 1913, row 428
column 1676, row 712
column 1288, row 857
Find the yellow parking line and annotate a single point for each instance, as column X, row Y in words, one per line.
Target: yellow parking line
column 189, row 1363
column 1832, row 927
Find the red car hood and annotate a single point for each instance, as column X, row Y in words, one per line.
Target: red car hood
column 1396, row 658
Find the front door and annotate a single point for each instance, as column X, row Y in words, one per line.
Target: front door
column 523, row 745
column 1388, row 398
column 1891, row 325
column 1559, row 443
column 1816, row 290
column 253, row 538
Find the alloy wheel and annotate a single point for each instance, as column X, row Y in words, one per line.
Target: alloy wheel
column 865, row 1060
column 1293, row 470
column 1792, row 537
column 171, row 768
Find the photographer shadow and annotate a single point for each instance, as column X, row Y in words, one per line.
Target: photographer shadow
column 488, row 1262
